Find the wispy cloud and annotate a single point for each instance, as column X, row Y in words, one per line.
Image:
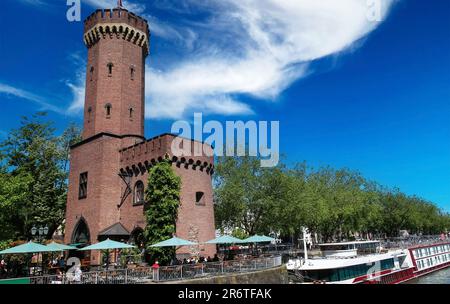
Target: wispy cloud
column 256, row 48
column 34, row 2
column 28, row 96
column 77, row 85
column 238, row 48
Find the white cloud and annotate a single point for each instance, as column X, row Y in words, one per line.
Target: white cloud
column 256, row 48
column 34, row 2
column 77, row 85
column 23, row 94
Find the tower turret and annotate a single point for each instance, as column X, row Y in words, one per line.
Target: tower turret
column 118, row 43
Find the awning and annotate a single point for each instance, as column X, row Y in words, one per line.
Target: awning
column 116, row 230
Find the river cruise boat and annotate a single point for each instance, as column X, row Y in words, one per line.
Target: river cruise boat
column 366, row 262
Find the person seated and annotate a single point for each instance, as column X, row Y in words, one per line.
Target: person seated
column 216, row 258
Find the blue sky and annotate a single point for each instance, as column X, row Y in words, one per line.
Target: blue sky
column 348, row 92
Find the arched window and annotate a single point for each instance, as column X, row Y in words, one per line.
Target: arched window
column 131, row 112
column 110, row 69
column 137, row 237
column 138, row 197
column 108, row 108
column 81, row 233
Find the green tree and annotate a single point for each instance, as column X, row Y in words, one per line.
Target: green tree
column 161, row 209
column 248, row 196
column 34, row 175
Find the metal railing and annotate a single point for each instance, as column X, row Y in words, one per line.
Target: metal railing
column 120, row 276
column 184, row 272
column 407, row 242
column 166, row 273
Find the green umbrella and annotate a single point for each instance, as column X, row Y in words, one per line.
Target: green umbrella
column 60, row 247
column 107, row 245
column 258, row 239
column 28, row 248
column 225, row 239
column 174, row 242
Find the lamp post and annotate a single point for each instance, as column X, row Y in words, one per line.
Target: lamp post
column 39, row 233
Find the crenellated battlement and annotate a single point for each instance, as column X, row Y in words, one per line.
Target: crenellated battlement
column 117, row 15
column 116, row 23
column 139, row 158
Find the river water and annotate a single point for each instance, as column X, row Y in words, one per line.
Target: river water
column 439, row 277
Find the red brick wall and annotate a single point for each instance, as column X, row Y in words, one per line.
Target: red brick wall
column 119, row 89
column 101, row 158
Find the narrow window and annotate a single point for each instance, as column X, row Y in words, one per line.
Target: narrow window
column 82, row 193
column 108, row 108
column 110, row 69
column 131, row 112
column 91, row 72
column 132, row 70
column 138, row 198
column 89, row 114
column 200, row 198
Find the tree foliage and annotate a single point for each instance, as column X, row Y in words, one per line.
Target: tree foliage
column 161, row 210
column 33, row 177
column 336, row 204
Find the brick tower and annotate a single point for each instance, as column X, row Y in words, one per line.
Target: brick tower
column 118, row 43
column 109, row 168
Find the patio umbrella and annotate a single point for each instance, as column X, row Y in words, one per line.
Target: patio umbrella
column 258, row 239
column 28, row 248
column 225, row 239
column 107, row 245
column 174, row 242
column 60, row 247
